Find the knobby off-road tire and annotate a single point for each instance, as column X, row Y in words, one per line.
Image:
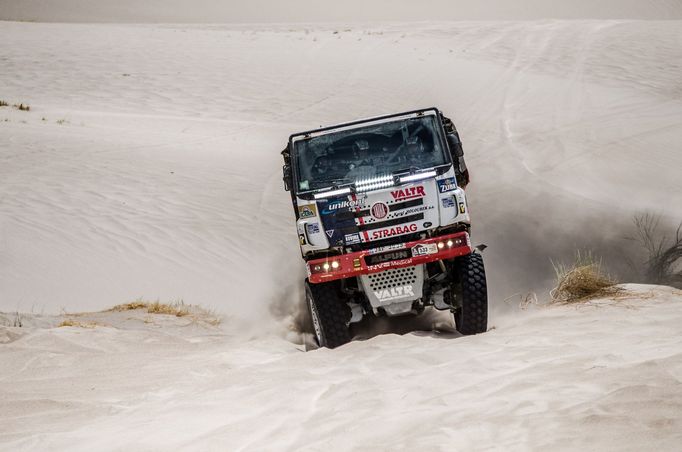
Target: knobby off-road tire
column 329, row 313
column 472, row 316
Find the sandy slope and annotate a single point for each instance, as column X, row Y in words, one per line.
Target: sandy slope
column 601, row 376
column 148, row 166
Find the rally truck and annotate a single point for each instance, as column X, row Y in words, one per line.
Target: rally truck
column 383, row 223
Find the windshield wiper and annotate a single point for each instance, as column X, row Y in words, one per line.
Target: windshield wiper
column 411, row 170
column 343, row 180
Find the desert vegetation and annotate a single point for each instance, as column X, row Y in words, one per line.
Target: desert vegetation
column 663, row 264
column 75, row 323
column 176, row 308
column 582, row 279
column 20, row 106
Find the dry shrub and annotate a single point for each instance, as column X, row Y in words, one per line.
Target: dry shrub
column 178, row 309
column 3, row 103
column 583, row 279
column 137, row 304
column 75, row 323
column 664, row 263
column 22, row 107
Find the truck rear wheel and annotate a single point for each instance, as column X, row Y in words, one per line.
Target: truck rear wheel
column 329, row 313
column 472, row 316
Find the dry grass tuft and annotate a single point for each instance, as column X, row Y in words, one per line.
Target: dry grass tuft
column 75, row 323
column 3, row 103
column 137, row 304
column 581, row 280
column 178, row 309
column 22, row 107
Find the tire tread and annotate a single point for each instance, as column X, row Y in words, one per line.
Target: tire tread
column 473, row 318
column 333, row 313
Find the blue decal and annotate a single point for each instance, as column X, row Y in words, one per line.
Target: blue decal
column 352, row 239
column 448, row 202
column 313, row 228
column 447, row 185
column 341, row 205
column 338, row 218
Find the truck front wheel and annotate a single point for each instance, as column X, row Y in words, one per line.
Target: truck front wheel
column 329, row 312
column 471, row 316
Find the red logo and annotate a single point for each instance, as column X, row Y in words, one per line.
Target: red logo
column 379, row 210
column 408, row 193
column 398, row 230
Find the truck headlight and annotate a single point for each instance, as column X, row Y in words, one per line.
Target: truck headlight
column 326, row 267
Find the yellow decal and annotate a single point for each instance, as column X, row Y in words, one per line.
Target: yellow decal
column 307, row 211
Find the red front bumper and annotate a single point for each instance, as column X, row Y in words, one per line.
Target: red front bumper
column 410, row 254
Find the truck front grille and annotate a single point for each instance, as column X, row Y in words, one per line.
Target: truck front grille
column 395, row 289
column 395, row 277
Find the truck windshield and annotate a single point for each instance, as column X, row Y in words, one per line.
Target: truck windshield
column 362, row 153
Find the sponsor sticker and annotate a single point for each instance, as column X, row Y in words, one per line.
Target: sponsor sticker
column 379, row 210
column 374, row 259
column 448, row 202
column 390, row 232
column 408, row 193
column 301, row 239
column 330, row 233
column 394, row 293
column 447, row 184
column 424, row 249
column 462, row 209
column 381, row 249
column 344, row 204
column 307, row 211
column 412, row 211
column 352, row 239
column 313, row 228
column 389, row 264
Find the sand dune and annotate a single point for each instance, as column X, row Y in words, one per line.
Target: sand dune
column 600, row 376
column 149, row 167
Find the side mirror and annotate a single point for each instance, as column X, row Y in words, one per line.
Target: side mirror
column 286, row 177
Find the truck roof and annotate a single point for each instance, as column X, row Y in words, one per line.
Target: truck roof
column 329, row 129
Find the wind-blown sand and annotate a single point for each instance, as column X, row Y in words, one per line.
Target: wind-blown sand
column 148, row 166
